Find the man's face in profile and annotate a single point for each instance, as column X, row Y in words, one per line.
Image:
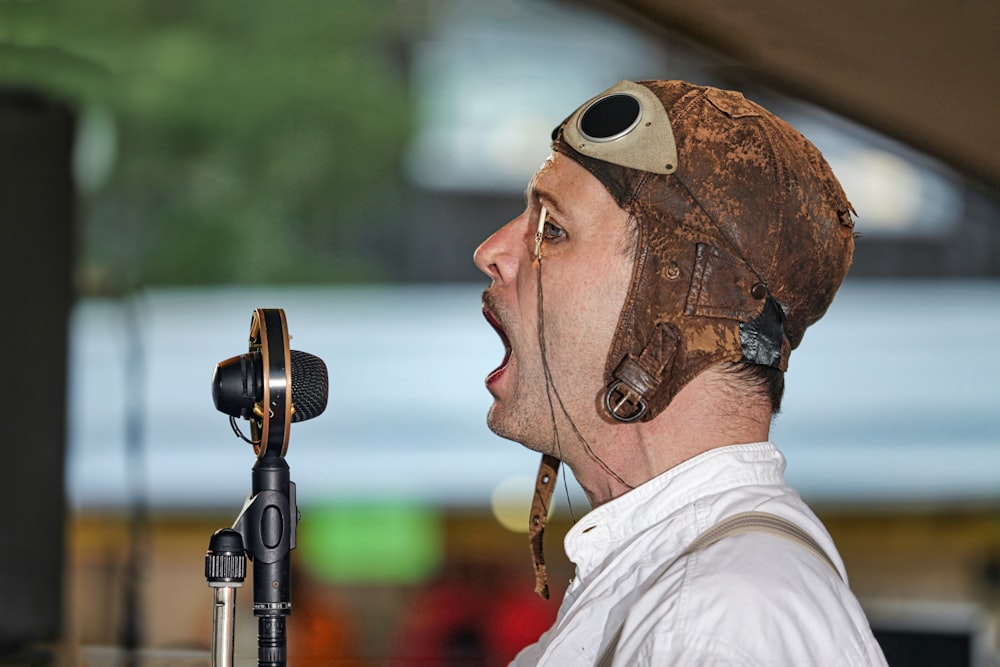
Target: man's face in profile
column 585, row 271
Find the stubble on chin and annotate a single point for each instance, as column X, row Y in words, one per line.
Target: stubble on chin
column 515, row 430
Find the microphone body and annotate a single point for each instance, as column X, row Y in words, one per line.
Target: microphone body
column 238, row 384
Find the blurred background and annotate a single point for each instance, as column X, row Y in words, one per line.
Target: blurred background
column 169, row 167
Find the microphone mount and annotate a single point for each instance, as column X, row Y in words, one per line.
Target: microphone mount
column 272, row 387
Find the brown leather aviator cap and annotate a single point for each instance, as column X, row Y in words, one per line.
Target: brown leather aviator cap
column 744, row 234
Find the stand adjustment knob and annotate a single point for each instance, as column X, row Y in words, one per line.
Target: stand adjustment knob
column 225, row 561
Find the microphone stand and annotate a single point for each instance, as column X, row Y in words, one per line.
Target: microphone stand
column 268, row 524
column 265, row 531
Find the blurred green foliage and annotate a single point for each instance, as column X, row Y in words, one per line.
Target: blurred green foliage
column 223, row 141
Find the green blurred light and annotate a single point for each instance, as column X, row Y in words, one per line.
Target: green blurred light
column 370, row 543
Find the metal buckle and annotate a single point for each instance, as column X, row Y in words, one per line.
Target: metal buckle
column 626, row 398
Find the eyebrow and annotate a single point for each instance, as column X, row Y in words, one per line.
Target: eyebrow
column 533, row 191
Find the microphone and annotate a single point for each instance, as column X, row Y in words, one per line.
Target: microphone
column 271, row 385
column 238, row 383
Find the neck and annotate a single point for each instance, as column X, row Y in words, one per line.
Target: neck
column 707, row 413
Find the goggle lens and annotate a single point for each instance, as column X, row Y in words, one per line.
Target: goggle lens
column 610, row 117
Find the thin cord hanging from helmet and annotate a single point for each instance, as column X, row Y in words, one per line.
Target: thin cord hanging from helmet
column 549, row 466
column 550, row 387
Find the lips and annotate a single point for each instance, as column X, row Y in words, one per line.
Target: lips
column 495, row 323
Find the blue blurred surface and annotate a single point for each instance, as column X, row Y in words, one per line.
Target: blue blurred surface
column 893, row 397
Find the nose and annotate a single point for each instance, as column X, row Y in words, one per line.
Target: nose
column 498, row 255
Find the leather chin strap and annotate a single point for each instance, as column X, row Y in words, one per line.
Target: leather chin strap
column 545, row 484
column 634, row 381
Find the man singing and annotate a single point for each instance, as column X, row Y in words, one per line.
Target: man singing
column 674, row 248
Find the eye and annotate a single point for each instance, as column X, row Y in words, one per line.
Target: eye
column 547, row 232
column 552, row 232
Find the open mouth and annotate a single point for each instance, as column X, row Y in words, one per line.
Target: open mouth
column 495, row 323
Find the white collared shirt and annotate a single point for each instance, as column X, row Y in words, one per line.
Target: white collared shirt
column 750, row 599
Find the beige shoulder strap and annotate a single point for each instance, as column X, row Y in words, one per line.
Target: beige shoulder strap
column 759, row 522
column 738, row 524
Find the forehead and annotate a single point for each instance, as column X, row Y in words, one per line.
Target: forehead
column 562, row 184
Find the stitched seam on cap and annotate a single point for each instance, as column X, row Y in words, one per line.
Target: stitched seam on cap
column 781, row 173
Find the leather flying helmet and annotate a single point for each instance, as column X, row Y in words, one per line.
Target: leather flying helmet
column 743, row 235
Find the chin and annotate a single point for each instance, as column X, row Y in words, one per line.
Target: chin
column 515, row 430
column 496, row 423
column 501, row 424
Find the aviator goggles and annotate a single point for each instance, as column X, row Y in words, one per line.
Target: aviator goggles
column 625, row 125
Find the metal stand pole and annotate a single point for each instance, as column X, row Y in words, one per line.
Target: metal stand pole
column 225, row 570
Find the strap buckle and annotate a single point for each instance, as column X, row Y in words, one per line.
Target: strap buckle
column 623, row 403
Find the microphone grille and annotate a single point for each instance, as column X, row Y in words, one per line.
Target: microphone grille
column 310, row 385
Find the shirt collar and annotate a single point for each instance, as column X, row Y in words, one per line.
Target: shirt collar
column 600, row 530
